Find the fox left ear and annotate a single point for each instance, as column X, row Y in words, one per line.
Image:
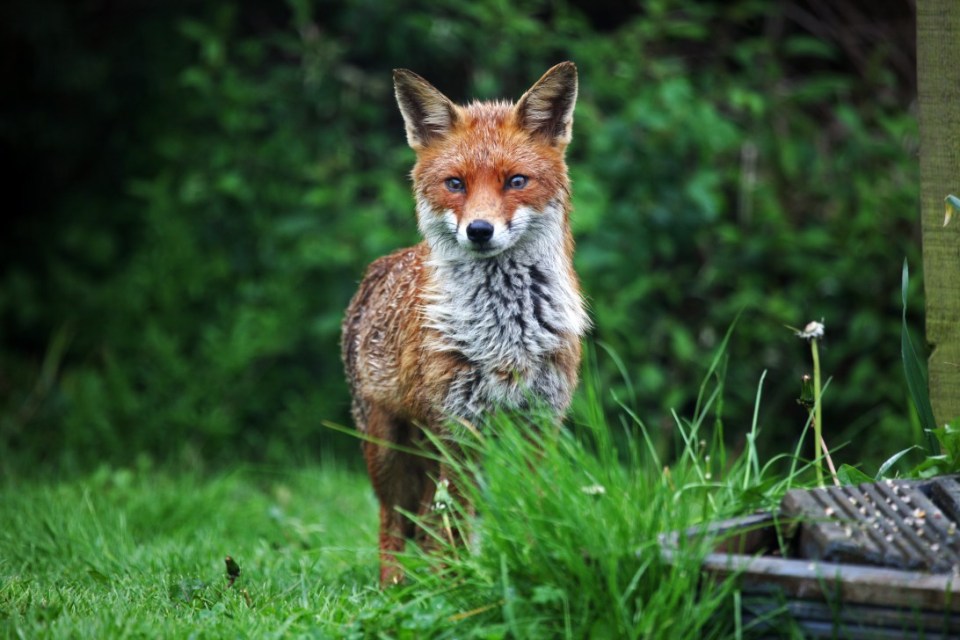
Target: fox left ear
column 427, row 113
column 547, row 108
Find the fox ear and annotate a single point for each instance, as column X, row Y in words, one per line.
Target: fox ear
column 547, row 108
column 427, row 113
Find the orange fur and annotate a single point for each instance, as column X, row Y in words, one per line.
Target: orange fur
column 459, row 324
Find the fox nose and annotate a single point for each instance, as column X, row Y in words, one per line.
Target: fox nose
column 479, row 231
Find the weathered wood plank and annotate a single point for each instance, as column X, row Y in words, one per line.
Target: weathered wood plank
column 812, row 580
column 850, row 621
column 938, row 76
column 946, row 493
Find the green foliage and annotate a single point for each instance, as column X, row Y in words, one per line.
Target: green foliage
column 728, row 190
column 241, row 167
column 946, row 462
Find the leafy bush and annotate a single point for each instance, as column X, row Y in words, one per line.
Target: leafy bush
column 188, row 299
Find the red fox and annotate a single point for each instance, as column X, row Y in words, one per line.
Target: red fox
column 486, row 311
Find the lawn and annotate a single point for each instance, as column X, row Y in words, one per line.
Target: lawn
column 140, row 553
column 566, row 546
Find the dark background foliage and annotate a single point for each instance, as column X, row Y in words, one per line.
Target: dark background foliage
column 194, row 190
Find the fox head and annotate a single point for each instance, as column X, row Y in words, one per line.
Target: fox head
column 490, row 175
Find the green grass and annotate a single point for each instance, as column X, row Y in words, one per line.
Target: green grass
column 565, row 545
column 140, row 553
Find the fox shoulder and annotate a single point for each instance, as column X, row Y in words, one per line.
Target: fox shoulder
column 387, row 299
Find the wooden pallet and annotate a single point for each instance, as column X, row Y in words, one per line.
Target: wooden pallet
column 877, row 560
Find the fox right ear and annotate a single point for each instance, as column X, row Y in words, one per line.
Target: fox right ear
column 427, row 113
column 547, row 108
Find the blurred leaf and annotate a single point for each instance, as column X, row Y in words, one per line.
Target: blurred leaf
column 952, row 205
column 848, row 475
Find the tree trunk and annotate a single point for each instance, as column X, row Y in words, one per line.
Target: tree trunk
column 938, row 75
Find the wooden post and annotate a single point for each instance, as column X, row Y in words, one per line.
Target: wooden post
column 938, row 79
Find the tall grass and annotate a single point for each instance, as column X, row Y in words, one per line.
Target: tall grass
column 565, row 529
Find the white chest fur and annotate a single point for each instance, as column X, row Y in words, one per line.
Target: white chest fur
column 506, row 315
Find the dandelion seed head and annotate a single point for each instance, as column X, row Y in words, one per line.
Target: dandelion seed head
column 813, row 331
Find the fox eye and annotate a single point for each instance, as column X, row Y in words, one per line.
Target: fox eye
column 455, row 185
column 517, row 182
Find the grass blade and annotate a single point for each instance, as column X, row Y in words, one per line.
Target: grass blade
column 915, row 371
column 892, row 460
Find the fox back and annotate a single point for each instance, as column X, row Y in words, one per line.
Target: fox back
column 486, row 311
